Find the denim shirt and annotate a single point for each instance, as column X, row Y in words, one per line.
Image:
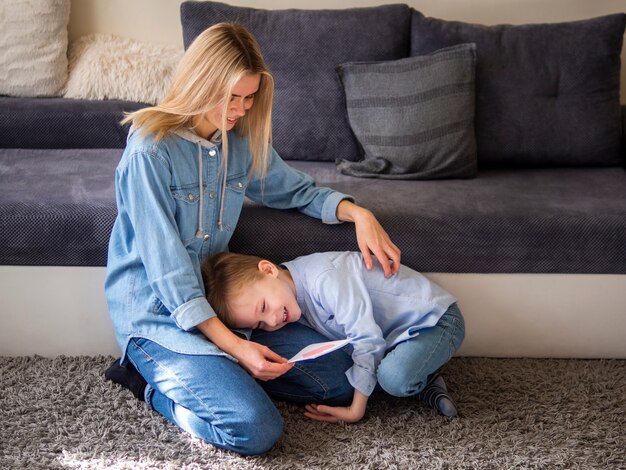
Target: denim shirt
column 165, row 226
column 341, row 298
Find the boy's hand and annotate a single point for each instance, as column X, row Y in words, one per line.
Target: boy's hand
column 337, row 414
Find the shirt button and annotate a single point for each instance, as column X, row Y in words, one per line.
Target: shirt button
column 206, row 237
column 190, row 197
column 211, row 194
column 240, row 185
column 212, row 152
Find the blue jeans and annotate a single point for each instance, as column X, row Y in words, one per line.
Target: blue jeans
column 213, row 398
column 405, row 370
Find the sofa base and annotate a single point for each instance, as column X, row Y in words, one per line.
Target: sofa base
column 51, row 311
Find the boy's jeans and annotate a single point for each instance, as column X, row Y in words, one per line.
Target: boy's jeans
column 213, row 398
column 405, row 370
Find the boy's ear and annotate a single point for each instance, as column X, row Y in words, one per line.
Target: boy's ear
column 267, row 267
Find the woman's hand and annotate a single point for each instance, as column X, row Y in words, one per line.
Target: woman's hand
column 259, row 361
column 371, row 237
column 339, row 414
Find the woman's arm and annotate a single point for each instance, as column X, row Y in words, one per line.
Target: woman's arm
column 148, row 218
column 371, row 237
column 284, row 187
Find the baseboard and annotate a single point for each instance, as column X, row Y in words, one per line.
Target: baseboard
column 53, row 311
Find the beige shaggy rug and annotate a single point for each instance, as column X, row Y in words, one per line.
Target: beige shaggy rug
column 516, row 414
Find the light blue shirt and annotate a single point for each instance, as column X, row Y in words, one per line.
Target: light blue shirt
column 341, row 299
column 165, row 226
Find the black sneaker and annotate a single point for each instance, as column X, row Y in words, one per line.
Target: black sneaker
column 128, row 377
column 435, row 395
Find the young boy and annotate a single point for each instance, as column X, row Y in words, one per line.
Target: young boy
column 402, row 328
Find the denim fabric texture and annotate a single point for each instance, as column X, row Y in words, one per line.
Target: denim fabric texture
column 214, row 399
column 425, row 353
column 321, row 381
column 165, row 226
column 211, row 397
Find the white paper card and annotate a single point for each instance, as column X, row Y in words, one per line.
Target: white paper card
column 318, row 349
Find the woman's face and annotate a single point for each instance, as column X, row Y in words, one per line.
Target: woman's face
column 240, row 101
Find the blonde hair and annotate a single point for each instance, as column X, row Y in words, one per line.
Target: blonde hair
column 205, row 77
column 224, row 275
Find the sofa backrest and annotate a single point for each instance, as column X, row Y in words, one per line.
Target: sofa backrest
column 302, row 49
column 40, row 123
column 546, row 94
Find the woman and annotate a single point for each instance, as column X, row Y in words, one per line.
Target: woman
column 180, row 186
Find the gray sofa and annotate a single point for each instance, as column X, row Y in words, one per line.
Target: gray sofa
column 549, row 195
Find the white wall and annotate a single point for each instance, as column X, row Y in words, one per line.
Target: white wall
column 158, row 21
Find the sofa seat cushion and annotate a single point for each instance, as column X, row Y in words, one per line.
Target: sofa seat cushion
column 57, row 207
column 564, row 220
column 40, row 123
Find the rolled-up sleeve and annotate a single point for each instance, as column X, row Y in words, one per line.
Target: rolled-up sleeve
column 143, row 186
column 192, row 313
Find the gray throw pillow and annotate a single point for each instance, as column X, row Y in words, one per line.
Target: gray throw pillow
column 414, row 117
column 302, row 48
column 546, row 94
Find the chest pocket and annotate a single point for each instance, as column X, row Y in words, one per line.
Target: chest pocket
column 187, row 199
column 233, row 200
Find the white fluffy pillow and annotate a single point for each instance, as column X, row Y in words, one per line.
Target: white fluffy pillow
column 103, row 66
column 33, row 45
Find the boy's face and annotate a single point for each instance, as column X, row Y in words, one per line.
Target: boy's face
column 268, row 303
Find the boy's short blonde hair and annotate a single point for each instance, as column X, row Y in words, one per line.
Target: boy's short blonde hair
column 224, row 276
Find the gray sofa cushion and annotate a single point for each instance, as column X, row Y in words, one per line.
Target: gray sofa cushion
column 546, row 94
column 550, row 220
column 414, row 117
column 57, row 123
column 57, row 207
column 302, row 49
